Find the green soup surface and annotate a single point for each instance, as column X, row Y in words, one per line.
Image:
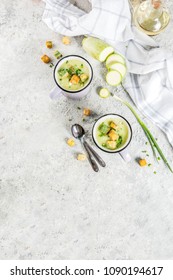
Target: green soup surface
column 112, row 134
column 73, row 75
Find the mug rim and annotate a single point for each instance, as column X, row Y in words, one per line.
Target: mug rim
column 112, row 152
column 76, row 91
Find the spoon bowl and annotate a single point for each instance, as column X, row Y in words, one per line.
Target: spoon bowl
column 77, row 131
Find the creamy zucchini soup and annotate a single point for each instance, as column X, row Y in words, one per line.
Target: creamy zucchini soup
column 112, row 134
column 73, row 75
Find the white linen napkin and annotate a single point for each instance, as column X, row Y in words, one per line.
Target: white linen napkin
column 150, row 82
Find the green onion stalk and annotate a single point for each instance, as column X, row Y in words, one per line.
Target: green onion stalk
column 151, row 139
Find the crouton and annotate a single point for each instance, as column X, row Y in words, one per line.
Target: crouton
column 83, row 77
column 74, row 80
column 111, row 145
column 49, row 44
column 87, row 112
column 45, row 58
column 113, row 135
column 142, row 162
column 66, row 40
column 81, row 157
column 70, row 142
column 113, row 125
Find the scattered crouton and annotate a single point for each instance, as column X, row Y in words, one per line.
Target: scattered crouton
column 81, row 157
column 45, row 58
column 66, row 40
column 87, row 112
column 113, row 135
column 70, row 142
column 49, row 44
column 113, row 125
column 74, row 80
column 142, row 162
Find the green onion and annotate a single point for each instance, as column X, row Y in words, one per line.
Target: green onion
column 147, row 132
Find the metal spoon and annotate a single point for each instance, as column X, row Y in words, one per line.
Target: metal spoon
column 79, row 133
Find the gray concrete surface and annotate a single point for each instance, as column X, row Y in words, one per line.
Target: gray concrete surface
column 51, row 205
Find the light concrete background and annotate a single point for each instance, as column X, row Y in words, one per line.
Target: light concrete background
column 51, row 205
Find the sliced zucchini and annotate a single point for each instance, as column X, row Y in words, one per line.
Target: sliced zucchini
column 97, row 48
column 118, row 67
column 105, row 53
column 104, row 93
column 113, row 78
column 115, row 57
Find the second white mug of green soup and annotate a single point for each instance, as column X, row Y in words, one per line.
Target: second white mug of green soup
column 112, row 133
column 73, row 75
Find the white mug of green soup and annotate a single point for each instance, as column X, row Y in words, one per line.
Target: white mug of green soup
column 73, row 75
column 112, row 133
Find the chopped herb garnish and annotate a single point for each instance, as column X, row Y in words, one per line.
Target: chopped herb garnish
column 146, row 143
column 66, row 61
column 70, row 120
column 154, row 172
column 83, row 120
column 144, row 151
column 119, row 141
column 78, row 72
column 147, row 155
column 101, row 134
column 79, row 108
column 82, row 65
column 159, row 158
column 149, row 164
column 51, row 65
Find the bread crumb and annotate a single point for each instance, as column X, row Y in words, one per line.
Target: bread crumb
column 70, row 142
column 49, row 44
column 81, row 157
column 66, row 40
column 45, row 58
column 142, row 162
column 87, row 112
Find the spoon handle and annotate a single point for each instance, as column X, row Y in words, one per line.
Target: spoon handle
column 90, row 158
column 97, row 157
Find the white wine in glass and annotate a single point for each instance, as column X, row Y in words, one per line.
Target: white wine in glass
column 151, row 16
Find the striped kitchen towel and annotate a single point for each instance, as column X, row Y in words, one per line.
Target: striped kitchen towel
column 150, row 82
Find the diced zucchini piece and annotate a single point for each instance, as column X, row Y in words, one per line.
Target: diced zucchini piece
column 57, row 54
column 111, row 145
column 104, row 129
column 113, row 78
column 115, row 57
column 63, row 72
column 104, row 93
column 83, row 77
column 121, row 68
